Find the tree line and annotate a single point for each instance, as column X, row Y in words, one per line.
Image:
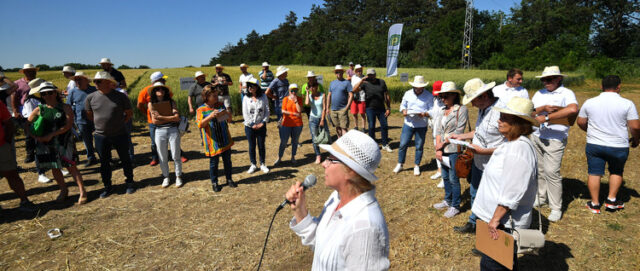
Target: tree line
column 77, row 66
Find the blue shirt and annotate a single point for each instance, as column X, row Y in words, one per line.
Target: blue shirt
column 416, row 104
column 339, row 90
column 280, row 89
column 76, row 99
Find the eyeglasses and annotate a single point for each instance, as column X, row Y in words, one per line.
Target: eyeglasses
column 547, row 79
column 98, row 81
column 333, row 160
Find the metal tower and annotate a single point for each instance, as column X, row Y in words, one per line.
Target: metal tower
column 468, row 36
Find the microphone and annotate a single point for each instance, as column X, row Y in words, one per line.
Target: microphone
column 308, row 182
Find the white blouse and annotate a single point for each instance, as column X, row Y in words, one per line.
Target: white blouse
column 255, row 112
column 352, row 238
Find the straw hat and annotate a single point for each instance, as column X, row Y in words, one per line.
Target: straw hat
column 198, row 74
column 29, row 67
column 104, row 75
column 35, row 83
column 437, row 86
column 418, row 82
column 159, row 85
column 244, row 65
column 43, row 87
column 105, row 61
column 68, row 69
column 80, row 74
column 551, row 71
column 519, row 107
column 293, row 86
column 357, row 151
column 474, row 88
column 338, row 68
column 219, row 66
column 281, row 70
column 311, row 74
column 265, row 64
column 358, row 66
column 449, row 87
column 157, row 76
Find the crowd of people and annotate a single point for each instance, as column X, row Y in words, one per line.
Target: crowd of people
column 517, row 143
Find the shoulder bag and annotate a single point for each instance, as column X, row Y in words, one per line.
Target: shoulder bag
column 465, row 158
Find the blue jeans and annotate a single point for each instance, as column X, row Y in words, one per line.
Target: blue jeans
column 86, row 133
column 314, row 126
column 152, row 134
column 405, row 137
column 451, row 181
column 476, row 176
column 277, row 107
column 372, row 113
column 213, row 166
column 256, row 137
column 285, row 133
column 103, row 146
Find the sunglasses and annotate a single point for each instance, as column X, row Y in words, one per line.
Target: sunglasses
column 547, row 79
column 333, row 160
column 98, row 81
column 47, row 93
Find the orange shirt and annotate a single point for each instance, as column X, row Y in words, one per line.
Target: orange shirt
column 289, row 105
column 145, row 98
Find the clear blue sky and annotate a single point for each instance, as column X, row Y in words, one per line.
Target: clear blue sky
column 159, row 33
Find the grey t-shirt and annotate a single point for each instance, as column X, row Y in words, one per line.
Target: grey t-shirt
column 196, row 92
column 108, row 111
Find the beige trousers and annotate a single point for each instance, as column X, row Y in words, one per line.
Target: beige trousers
column 550, row 154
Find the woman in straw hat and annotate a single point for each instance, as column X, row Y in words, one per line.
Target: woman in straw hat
column 55, row 147
column 351, row 232
column 509, row 181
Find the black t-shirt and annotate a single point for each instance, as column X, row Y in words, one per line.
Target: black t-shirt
column 223, row 77
column 117, row 75
column 374, row 93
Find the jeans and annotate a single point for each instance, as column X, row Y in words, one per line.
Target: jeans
column 277, row 107
column 285, row 133
column 103, row 146
column 166, row 136
column 129, row 127
column 256, row 137
column 86, row 133
column 451, row 181
column 154, row 148
column 372, row 113
column 213, row 166
column 405, row 137
column 476, row 176
column 314, row 126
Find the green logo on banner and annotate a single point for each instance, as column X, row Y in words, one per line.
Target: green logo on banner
column 394, row 40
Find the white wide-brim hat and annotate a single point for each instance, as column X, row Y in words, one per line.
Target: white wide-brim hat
column 338, row 68
column 35, row 83
column 418, row 82
column 243, row 65
column 105, row 61
column 449, row 86
column 80, row 74
column 265, row 64
column 311, row 74
column 357, row 151
column 43, row 87
column 29, row 67
column 68, row 69
column 293, row 86
column 157, row 85
column 281, row 70
column 104, row 75
column 550, row 71
column 358, row 66
column 198, row 74
column 519, row 107
column 474, row 88
column 252, row 80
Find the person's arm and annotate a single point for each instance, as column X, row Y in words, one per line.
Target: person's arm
column 34, row 114
column 634, row 129
column 569, row 111
column 495, row 221
column 356, row 88
column 245, row 109
column 229, row 82
column 306, row 98
column 324, row 110
column 240, row 84
column 329, row 101
column 583, row 123
column 15, row 102
column 387, row 102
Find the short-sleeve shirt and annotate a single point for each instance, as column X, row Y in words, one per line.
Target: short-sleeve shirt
column 195, row 91
column 264, row 83
column 607, row 116
column 339, row 90
column 487, row 134
column 415, row 104
column 374, row 93
column 145, row 98
column 351, row 73
column 505, row 93
column 358, row 96
column 243, row 81
column 224, row 90
column 280, row 88
column 215, row 135
column 22, row 90
column 117, row 75
column 108, row 111
column 76, row 99
column 560, row 97
column 4, row 116
column 303, row 90
column 287, row 119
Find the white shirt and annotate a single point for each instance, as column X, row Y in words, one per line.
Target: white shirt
column 352, row 238
column 509, row 179
column 354, row 81
column 438, row 109
column 416, row 104
column 505, row 93
column 243, row 81
column 607, row 116
column 487, row 134
column 255, row 112
column 29, row 105
column 560, row 97
column 71, row 85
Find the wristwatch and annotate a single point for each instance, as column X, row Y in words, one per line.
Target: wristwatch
column 546, row 118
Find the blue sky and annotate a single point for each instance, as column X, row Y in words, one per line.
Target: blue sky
column 159, row 33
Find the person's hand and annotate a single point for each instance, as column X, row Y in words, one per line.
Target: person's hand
column 439, row 145
column 191, row 110
column 476, row 149
column 551, row 108
column 154, row 114
column 321, row 124
column 387, row 113
column 634, row 142
column 541, row 118
column 404, row 112
column 455, row 136
column 17, row 115
column 439, row 155
column 493, row 229
column 297, row 200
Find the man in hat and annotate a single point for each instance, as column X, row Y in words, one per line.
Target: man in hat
column 378, row 105
column 110, row 110
column 106, row 65
column 485, row 137
column 351, row 71
column 244, row 77
column 512, row 87
column 340, row 97
column 17, row 100
column 76, row 99
column 278, row 89
column 266, row 76
column 68, row 72
column 556, row 109
column 358, row 105
column 195, row 92
column 224, row 80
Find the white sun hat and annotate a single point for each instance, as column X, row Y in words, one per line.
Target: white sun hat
column 104, row 75
column 243, row 65
column 281, row 70
column 198, row 74
column 157, row 76
column 219, row 66
column 80, row 74
column 68, row 69
column 293, row 86
column 358, row 66
column 43, row 87
column 449, row 86
column 265, row 64
column 418, row 82
column 551, row 71
column 35, row 83
column 252, row 80
column 338, row 68
column 357, row 151
column 474, row 88
column 29, row 67
column 105, row 61
column 310, row 74
column 159, row 85
column 519, row 107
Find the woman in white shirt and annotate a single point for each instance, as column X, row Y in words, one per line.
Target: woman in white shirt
column 509, row 182
column 351, row 232
column 255, row 111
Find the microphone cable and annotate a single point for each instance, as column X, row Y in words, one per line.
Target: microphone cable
column 264, row 248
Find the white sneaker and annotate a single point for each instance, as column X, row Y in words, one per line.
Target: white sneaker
column 165, row 182
column 64, row 172
column 178, row 181
column 441, row 205
column 436, row 176
column 416, row 170
column 451, row 212
column 537, row 204
column 252, row 169
column 441, row 184
column 555, row 215
column 397, row 168
column 43, row 178
column 387, row 148
column 264, row 168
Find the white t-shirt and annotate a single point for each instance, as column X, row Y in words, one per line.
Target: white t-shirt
column 560, row 97
column 243, row 81
column 607, row 116
column 354, row 81
column 505, row 93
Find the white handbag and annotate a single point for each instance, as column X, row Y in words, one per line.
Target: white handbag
column 529, row 241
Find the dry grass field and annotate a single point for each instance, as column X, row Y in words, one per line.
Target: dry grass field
column 193, row 228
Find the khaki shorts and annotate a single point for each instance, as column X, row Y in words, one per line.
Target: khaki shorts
column 340, row 118
column 226, row 100
column 8, row 157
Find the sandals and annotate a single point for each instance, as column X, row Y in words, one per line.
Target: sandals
column 82, row 200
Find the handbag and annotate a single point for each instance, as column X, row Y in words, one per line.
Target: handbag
column 183, row 125
column 322, row 137
column 464, row 160
column 37, row 127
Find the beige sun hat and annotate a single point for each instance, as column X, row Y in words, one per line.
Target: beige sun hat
column 159, row 85
column 474, row 88
column 265, row 64
column 519, row 107
column 243, row 65
column 449, row 86
column 43, row 87
column 551, row 71
column 418, row 82
column 68, row 69
column 198, row 74
column 219, row 66
column 105, row 60
column 35, row 82
column 338, row 68
column 80, row 74
column 252, row 80
column 281, row 70
column 357, row 151
column 358, row 66
column 104, row 75
column 310, row 74
column 29, row 67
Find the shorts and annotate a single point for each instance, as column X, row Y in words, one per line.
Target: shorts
column 226, row 100
column 340, row 118
column 8, row 157
column 598, row 155
column 357, row 107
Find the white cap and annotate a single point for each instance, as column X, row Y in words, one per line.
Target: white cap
column 293, row 86
column 157, row 76
column 68, row 69
column 358, row 66
column 265, row 64
column 338, row 67
column 198, row 74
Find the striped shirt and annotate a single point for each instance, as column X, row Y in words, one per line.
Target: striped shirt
column 215, row 135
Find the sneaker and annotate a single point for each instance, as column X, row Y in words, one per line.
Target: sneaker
column 436, row 176
column 441, row 184
column 397, row 168
column 476, row 252
column 467, row 228
column 106, row 192
column 178, row 181
column 387, row 148
column 593, row 208
column 64, row 172
column 441, row 205
column 154, row 162
column 43, row 179
column 252, row 169
column 555, row 215
column 216, row 187
column 131, row 188
column 184, row 159
column 537, row 204
column 165, row 182
column 29, row 159
column 232, row 183
column 451, row 212
column 264, row 168
column 613, row 205
column 416, row 170
column 27, row 206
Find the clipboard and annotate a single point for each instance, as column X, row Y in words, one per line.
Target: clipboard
column 163, row 108
column 500, row 250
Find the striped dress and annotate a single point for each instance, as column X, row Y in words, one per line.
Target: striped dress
column 215, row 135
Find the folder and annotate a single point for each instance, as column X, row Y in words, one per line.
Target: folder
column 163, row 108
column 500, row 250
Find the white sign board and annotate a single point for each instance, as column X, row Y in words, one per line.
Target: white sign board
column 319, row 78
column 186, row 82
column 404, row 77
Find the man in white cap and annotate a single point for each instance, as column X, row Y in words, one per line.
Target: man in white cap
column 266, row 76
column 76, row 99
column 106, row 65
column 556, row 109
column 340, row 97
column 68, row 72
column 244, row 77
column 278, row 89
column 224, row 80
column 378, row 105
column 17, row 101
column 358, row 106
column 195, row 92
column 512, row 87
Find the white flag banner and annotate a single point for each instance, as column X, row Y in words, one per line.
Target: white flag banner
column 393, row 48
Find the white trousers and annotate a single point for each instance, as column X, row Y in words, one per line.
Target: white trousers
column 166, row 136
